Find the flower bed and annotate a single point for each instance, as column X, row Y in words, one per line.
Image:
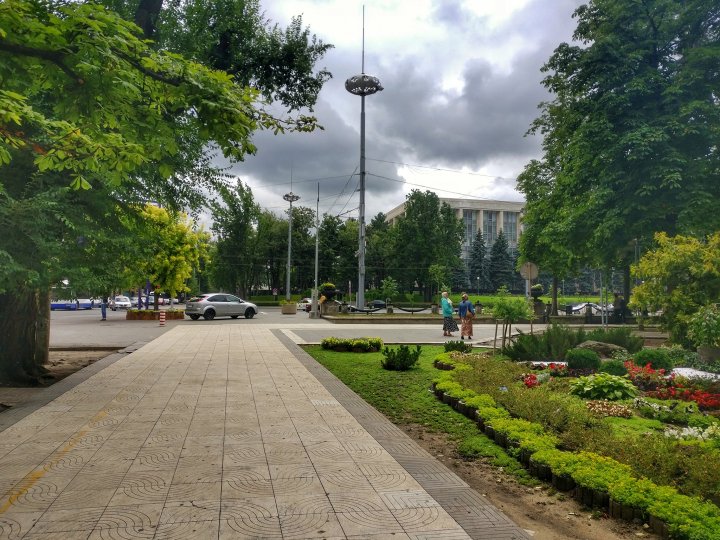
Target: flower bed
column 594, row 479
column 364, row 344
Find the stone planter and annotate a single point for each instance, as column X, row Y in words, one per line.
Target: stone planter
column 288, row 309
column 151, row 314
column 708, row 354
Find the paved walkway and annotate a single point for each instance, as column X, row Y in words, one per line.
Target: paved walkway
column 224, row 432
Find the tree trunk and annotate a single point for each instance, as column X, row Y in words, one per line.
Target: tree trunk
column 554, row 307
column 25, row 333
column 146, row 16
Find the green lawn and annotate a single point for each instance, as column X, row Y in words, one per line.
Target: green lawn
column 405, row 398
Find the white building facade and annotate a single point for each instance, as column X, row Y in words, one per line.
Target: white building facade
column 489, row 216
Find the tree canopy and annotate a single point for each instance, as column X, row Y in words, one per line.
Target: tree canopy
column 92, row 117
column 630, row 136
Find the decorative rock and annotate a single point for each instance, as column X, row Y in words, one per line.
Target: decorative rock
column 604, row 350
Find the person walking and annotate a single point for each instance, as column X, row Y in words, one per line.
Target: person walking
column 467, row 314
column 103, row 307
column 449, row 324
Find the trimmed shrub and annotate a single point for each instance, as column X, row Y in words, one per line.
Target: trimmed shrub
column 582, row 359
column 400, row 359
column 457, row 346
column 613, row 367
column 657, row 358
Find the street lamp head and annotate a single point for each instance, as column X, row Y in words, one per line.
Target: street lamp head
column 291, row 197
column 363, row 85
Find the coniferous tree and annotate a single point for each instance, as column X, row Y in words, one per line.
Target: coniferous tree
column 500, row 264
column 478, row 264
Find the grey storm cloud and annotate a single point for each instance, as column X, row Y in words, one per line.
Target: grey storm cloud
column 415, row 119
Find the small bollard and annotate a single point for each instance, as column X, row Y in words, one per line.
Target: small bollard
column 162, row 318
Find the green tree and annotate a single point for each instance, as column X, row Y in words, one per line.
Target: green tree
column 234, row 36
column 679, row 276
column 380, row 247
column 500, row 265
column 428, row 233
column 328, row 254
column 175, row 250
column 270, row 250
column 630, row 136
column 85, row 108
column 234, row 225
column 478, row 264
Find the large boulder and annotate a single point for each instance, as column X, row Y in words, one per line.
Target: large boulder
column 604, row 350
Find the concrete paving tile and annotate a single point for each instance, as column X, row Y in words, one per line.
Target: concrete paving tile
column 205, row 473
column 299, row 485
column 343, row 480
column 254, row 528
column 188, row 530
column 203, row 491
column 78, row 519
column 186, row 511
column 425, row 520
column 299, row 504
column 292, row 471
column 406, row 499
column 17, row 524
column 311, row 526
column 138, row 517
column 145, row 487
column 95, row 480
column 369, row 522
column 88, row 499
column 63, row 535
column 244, row 455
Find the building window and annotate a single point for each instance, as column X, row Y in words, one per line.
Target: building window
column 490, row 226
column 510, row 223
column 470, row 229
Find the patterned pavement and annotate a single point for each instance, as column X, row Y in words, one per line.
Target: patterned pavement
column 225, row 432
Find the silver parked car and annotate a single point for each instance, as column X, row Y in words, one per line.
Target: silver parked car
column 213, row 305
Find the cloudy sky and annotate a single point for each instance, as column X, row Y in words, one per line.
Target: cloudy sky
column 461, row 86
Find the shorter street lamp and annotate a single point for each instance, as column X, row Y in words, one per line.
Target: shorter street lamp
column 291, row 198
column 478, row 280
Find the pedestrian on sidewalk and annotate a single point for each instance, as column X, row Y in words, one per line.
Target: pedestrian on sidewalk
column 449, row 324
column 103, row 307
column 466, row 311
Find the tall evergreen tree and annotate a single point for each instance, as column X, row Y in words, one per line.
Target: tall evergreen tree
column 478, row 264
column 501, row 263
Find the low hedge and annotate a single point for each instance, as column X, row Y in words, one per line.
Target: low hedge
column 610, row 482
column 364, row 344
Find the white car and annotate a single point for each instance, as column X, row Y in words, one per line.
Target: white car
column 120, row 302
column 211, row 305
column 304, row 304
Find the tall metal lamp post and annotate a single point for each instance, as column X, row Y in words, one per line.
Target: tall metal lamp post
column 362, row 85
column 291, row 198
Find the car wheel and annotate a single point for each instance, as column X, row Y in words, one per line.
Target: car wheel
column 209, row 314
column 234, row 316
column 249, row 313
column 194, row 316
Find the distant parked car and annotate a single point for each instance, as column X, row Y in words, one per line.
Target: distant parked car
column 213, row 305
column 120, row 302
column 596, row 309
column 70, row 305
column 85, row 303
column 372, row 304
column 305, row 304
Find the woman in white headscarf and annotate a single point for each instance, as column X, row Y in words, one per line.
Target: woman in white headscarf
column 449, row 324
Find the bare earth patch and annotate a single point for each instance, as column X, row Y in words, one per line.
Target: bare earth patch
column 544, row 512
column 60, row 365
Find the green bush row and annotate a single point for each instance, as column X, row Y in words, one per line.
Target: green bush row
column 686, row 517
column 364, row 344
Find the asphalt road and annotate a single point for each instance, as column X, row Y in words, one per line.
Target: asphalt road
column 83, row 329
